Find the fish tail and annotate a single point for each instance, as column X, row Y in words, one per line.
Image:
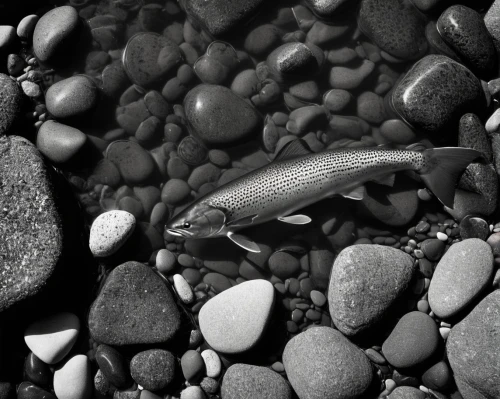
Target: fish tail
column 443, row 166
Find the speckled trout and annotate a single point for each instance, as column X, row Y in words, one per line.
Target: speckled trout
column 298, row 177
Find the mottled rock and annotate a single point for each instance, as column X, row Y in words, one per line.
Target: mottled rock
column 322, row 363
column 473, row 350
column 220, row 117
column 445, row 91
column 492, row 22
column 365, row 281
column 465, row 32
column 395, row 26
column 219, row 17
column 327, row 9
column 225, row 319
column 134, row 307
column 245, row 381
column 110, row 231
column 413, row 341
column 31, row 222
column 461, row 274
column 153, row 369
column 10, row 103
column 55, row 32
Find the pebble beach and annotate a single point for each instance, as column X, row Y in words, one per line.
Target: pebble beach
column 116, row 116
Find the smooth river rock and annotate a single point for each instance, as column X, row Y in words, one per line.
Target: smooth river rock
column 473, row 350
column 395, row 26
column 445, row 91
column 219, row 117
column 31, row 225
column 59, row 142
column 235, row 320
column 134, row 307
column 71, row 97
column 364, row 282
column 461, row 274
column 54, row 32
column 321, row 363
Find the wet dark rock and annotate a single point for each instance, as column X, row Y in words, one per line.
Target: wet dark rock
column 152, row 17
column 294, row 60
column 193, row 366
column 469, row 203
column 437, row 42
column 219, row 17
column 219, row 117
column 474, row 227
column 156, row 104
column 492, row 22
column 28, row 390
column 395, row 26
column 10, row 103
column 153, row 369
column 107, row 31
column 149, row 58
column 191, row 151
column 464, row 30
column 472, row 134
column 407, row 393
column 245, row 381
column 134, row 163
column 102, row 385
column 55, row 32
column 7, row 390
column 134, row 307
column 439, row 377
column 433, row 248
column 365, row 281
column 413, row 341
column 445, row 91
column 322, row 363
column 37, row 371
column 321, row 262
column 473, row 350
column 327, row 9
column 263, row 39
column 217, row 64
column 31, row 223
column 114, row 80
column 113, row 366
column 132, row 115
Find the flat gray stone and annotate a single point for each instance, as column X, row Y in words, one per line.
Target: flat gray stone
column 321, row 363
column 30, row 224
column 473, row 350
column 234, row 321
column 461, row 274
column 364, row 282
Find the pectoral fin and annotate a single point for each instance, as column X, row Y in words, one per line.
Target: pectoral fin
column 245, row 221
column 357, row 194
column 293, row 149
column 387, row 180
column 295, row 219
column 243, row 242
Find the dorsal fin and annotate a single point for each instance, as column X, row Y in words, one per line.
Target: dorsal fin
column 293, row 149
column 417, row 147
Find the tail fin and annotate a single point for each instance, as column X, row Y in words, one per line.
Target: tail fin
column 443, row 167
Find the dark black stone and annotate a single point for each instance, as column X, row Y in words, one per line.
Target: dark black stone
column 464, row 30
column 474, row 227
column 472, row 134
column 113, row 366
column 395, row 26
column 445, row 91
column 7, row 390
column 28, row 390
column 37, row 371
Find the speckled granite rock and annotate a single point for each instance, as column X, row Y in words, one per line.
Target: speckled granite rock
column 445, row 91
column 134, row 307
column 10, row 102
column 30, row 224
column 221, row 16
column 492, row 22
column 395, row 26
column 365, row 281
column 327, row 9
column 473, row 350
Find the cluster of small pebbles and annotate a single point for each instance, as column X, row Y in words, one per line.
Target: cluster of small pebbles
column 145, row 106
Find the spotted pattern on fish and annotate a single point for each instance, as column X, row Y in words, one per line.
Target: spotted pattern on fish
column 285, row 186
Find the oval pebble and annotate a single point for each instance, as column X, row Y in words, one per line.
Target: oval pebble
column 26, row 26
column 113, row 366
column 191, row 151
column 165, row 261
column 193, row 366
column 175, row 191
column 153, row 369
column 183, row 289
column 26, row 390
column 52, row 337
column 350, row 78
column 193, row 392
column 135, row 164
column 59, row 142
column 283, row 265
column 213, row 363
column 73, row 379
column 318, row 298
column 110, row 231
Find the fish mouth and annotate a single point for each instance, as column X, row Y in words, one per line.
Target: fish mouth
column 179, row 233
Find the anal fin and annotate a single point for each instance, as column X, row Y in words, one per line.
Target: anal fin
column 295, row 219
column 243, row 242
column 356, row 194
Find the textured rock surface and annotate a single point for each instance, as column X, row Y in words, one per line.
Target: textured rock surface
column 30, row 225
column 323, row 364
column 10, row 102
column 365, row 281
column 461, row 274
column 473, row 349
column 245, row 381
column 134, row 307
column 445, row 91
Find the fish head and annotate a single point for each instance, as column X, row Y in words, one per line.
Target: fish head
column 197, row 221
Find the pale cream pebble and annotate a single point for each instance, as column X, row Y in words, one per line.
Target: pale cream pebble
column 212, row 363
column 110, row 231
column 183, row 289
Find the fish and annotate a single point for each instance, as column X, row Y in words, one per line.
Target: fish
column 298, row 177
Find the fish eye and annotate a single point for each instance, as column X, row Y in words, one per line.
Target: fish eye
column 186, row 225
